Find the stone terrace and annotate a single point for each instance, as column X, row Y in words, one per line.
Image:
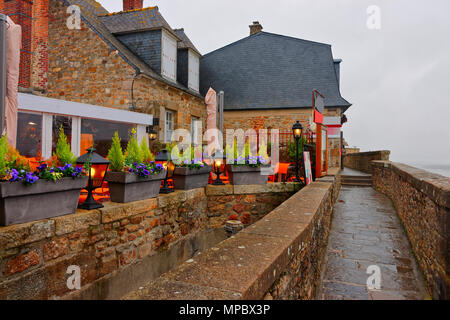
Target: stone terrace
column 120, row 238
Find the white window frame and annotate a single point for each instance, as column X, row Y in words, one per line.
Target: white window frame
column 48, row 107
column 169, row 125
column 193, row 71
column 195, row 129
column 166, row 41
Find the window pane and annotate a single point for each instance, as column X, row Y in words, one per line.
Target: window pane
column 101, row 133
column 29, row 135
column 66, row 124
column 169, row 126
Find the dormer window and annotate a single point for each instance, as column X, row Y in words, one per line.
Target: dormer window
column 168, row 57
column 194, row 71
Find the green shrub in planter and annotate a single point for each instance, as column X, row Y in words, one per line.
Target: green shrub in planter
column 133, row 176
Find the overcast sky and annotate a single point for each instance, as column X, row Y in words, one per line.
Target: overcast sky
column 397, row 77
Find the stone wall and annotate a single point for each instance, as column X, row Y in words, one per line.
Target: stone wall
column 422, row 201
column 83, row 68
column 119, row 247
column 246, row 203
column 278, row 257
column 362, row 161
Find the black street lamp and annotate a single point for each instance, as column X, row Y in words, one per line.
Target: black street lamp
column 97, row 166
column 217, row 164
column 163, row 158
column 297, row 129
column 152, row 134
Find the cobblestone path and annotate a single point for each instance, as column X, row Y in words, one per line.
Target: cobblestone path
column 367, row 232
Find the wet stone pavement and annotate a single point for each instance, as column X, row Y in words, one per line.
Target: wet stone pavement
column 367, row 232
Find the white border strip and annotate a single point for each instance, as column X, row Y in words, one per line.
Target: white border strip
column 34, row 103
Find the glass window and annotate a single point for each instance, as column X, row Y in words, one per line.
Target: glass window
column 29, row 135
column 66, row 123
column 169, row 126
column 100, row 133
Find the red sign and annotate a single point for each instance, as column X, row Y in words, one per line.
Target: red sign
column 318, row 117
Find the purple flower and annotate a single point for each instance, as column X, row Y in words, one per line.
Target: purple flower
column 42, row 167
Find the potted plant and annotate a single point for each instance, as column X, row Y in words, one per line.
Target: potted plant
column 133, row 176
column 51, row 190
column 191, row 171
column 244, row 168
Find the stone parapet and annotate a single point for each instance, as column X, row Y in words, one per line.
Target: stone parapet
column 278, row 257
column 362, row 160
column 422, row 200
column 120, row 240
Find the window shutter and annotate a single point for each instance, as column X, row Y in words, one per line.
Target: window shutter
column 169, row 57
column 194, row 70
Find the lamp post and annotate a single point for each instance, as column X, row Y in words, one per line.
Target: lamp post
column 217, row 164
column 97, row 170
column 152, row 134
column 297, row 129
column 163, row 158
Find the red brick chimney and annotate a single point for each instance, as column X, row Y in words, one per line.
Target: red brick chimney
column 132, row 4
column 255, row 28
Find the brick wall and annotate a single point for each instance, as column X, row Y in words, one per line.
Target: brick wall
column 132, row 4
column 39, row 61
column 21, row 12
column 422, row 201
column 106, row 243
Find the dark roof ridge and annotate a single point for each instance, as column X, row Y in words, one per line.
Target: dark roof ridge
column 268, row 34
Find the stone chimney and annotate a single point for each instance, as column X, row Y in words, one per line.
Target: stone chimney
column 255, row 28
column 132, row 4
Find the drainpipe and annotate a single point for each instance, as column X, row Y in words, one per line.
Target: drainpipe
column 220, row 102
column 2, row 71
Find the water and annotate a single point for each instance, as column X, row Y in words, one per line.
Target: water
column 442, row 169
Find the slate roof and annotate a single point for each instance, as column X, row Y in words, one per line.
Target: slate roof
column 135, row 20
column 90, row 11
column 185, row 42
column 271, row 71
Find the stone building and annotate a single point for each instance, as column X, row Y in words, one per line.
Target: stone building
column 268, row 81
column 107, row 72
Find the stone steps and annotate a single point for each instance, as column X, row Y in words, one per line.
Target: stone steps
column 360, row 181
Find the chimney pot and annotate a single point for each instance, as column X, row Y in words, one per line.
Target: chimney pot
column 255, row 28
column 132, row 4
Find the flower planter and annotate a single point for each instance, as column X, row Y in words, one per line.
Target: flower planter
column 44, row 199
column 127, row 187
column 187, row 179
column 244, row 175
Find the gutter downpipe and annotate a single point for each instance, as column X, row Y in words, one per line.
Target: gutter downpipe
column 2, row 72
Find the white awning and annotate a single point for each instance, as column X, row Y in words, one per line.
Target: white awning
column 34, row 103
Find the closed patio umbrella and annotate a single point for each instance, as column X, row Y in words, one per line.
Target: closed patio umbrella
column 13, row 44
column 211, row 109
